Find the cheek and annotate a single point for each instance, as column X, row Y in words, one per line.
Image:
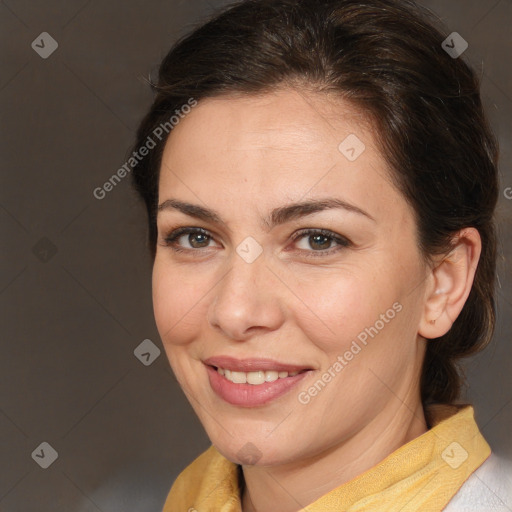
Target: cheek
column 339, row 305
column 362, row 308
column 179, row 303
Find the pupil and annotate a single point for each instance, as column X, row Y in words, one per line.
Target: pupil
column 319, row 241
column 197, row 240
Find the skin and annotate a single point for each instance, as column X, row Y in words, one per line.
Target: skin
column 242, row 157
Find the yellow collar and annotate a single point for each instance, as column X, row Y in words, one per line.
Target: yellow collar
column 423, row 474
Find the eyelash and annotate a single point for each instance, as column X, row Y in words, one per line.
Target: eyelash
column 341, row 241
column 170, row 239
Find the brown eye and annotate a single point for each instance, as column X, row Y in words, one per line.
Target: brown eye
column 319, row 242
column 190, row 238
column 198, row 240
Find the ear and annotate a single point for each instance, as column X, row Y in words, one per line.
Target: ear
column 450, row 282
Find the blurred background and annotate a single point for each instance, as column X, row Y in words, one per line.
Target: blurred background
column 75, row 279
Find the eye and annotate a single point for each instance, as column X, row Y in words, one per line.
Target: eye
column 189, row 238
column 320, row 241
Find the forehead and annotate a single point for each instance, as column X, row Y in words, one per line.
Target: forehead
column 284, row 119
column 282, row 145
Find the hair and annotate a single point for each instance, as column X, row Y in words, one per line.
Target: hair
column 386, row 58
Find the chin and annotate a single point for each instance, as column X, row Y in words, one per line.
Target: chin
column 256, row 451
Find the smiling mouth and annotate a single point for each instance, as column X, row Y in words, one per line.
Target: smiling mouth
column 252, row 382
column 255, row 378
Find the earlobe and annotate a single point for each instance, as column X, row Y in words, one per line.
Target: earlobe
column 450, row 284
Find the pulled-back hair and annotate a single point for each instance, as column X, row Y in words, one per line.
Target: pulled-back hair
column 386, row 58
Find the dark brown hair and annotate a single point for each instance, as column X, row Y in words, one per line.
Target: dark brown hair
column 384, row 56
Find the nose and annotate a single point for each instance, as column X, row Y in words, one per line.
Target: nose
column 246, row 301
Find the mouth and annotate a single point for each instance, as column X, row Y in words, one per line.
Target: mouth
column 255, row 378
column 252, row 382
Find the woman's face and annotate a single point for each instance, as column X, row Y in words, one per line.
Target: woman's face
column 283, row 245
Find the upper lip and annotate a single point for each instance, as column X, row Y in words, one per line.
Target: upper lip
column 252, row 364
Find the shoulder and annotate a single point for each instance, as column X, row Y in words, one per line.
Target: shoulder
column 209, row 478
column 489, row 488
column 186, row 487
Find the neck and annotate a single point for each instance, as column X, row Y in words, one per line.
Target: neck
column 295, row 485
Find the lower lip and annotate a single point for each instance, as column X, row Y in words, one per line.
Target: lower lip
column 249, row 395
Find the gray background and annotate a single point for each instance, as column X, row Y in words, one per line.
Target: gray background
column 75, row 282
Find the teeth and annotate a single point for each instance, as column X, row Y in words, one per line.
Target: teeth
column 271, row 376
column 238, row 377
column 254, row 378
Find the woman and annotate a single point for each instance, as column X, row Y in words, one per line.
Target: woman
column 321, row 223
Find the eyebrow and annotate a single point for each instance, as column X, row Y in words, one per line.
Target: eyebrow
column 277, row 216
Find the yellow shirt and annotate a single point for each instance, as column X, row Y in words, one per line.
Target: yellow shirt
column 422, row 475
